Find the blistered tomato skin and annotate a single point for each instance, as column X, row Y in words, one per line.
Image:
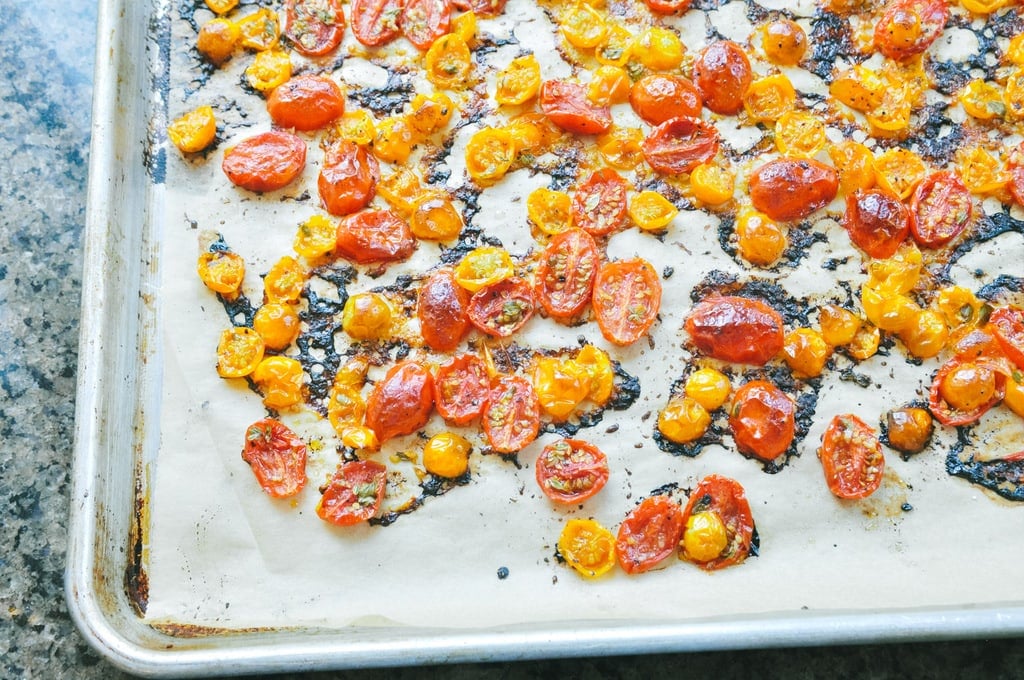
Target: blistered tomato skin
column 876, row 221
column 348, row 178
column 680, row 144
column 660, row 96
column 566, row 105
column 442, row 311
column 763, row 420
column 722, row 73
column 791, row 189
column 401, row 403
column 265, row 162
column 908, row 27
column 736, row 329
column 306, row 102
column 940, row 209
column 370, row 236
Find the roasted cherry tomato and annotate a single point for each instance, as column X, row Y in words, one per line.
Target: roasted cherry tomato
column 315, row 27
column 424, row 21
column 599, row 204
column 627, row 299
column 876, row 221
column 265, row 162
column 375, row 22
column 736, row 329
column 502, row 308
column 908, row 27
column 963, row 390
column 1007, row 324
column 726, row 500
column 567, row 106
column 348, row 178
column 461, row 389
column 441, row 308
column 851, row 457
column 306, row 102
column 763, row 420
column 649, row 534
column 792, row 188
column 909, row 429
column 353, row 494
column 722, row 73
column 482, row 8
column 571, row 471
column 1015, row 167
column 940, row 209
column 784, row 42
column 680, row 144
column 659, row 96
column 511, row 417
column 374, row 236
column 668, row 6
column 565, row 275
column 587, row 547
column 277, row 457
column 401, row 403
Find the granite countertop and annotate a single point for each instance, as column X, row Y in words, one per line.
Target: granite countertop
column 47, row 60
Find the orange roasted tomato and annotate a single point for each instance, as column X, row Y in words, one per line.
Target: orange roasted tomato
column 649, row 533
column 964, row 389
column 306, row 102
column 784, row 42
column 599, row 204
column 680, row 144
column 627, row 299
column 571, row 471
column 441, row 308
column 718, row 525
column 587, row 547
column 565, row 274
column 851, row 457
column 876, row 221
column 353, row 494
column 737, row 329
column 461, row 389
column 374, row 236
column 347, row 178
column 940, row 209
column 659, row 96
column 402, row 402
column 722, row 73
column 763, row 420
column 566, row 105
column 277, row 457
column 791, row 189
column 265, row 162
column 511, row 416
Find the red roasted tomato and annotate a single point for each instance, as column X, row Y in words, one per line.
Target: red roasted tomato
column 680, row 144
column 792, row 188
column 940, row 209
column 277, row 457
column 649, row 534
column 763, row 420
column 375, row 22
column 511, row 417
column 571, row 471
column 348, row 178
column 424, row 21
column 722, row 73
column 567, row 106
column 659, row 96
column 851, row 457
column 736, row 329
column 306, row 102
column 908, row 27
column 565, row 275
column 1007, row 324
column 400, row 403
column 725, row 498
column 877, row 222
column 353, row 494
column 442, row 309
column 502, row 308
column 315, row 27
column 461, row 389
column 599, row 204
column 265, row 162
column 627, row 299
column 374, row 236
column 668, row 6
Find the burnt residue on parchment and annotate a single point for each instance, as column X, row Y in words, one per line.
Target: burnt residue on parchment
column 717, row 282
column 1001, row 476
column 831, row 37
column 389, row 98
column 318, row 355
column 984, row 228
column 432, row 486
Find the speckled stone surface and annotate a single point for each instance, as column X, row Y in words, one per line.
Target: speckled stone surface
column 46, row 61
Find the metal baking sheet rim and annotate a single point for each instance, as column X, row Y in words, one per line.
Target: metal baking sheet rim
column 107, row 456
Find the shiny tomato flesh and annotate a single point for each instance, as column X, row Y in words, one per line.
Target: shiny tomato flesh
column 461, row 389
column 763, row 420
column 511, row 417
column 649, row 534
column 660, row 96
column 424, row 21
column 567, row 106
column 502, row 308
column 315, row 27
column 736, row 329
column 306, row 102
column 565, row 275
column 571, row 471
column 353, row 494
column 265, row 162
column 627, row 299
column 792, row 188
column 1007, row 324
column 680, row 144
column 348, row 178
column 940, row 209
column 277, row 457
column 599, row 204
column 722, row 73
column 876, row 221
column 727, row 499
column 948, row 414
column 375, row 22
column 442, row 309
column 668, row 6
column 928, row 17
column 401, row 403
column 851, row 457
column 371, row 235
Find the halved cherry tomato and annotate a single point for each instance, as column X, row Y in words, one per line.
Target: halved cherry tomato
column 565, row 275
column 571, row 470
column 736, row 329
column 722, row 73
column 851, row 457
column 315, row 27
column 668, row 6
column 587, row 547
column 649, row 534
column 1007, row 324
column 306, row 102
column 908, row 27
column 876, row 221
column 599, row 204
column 348, row 178
column 375, row 22
column 627, row 299
column 401, row 403
column 725, row 498
column 441, row 308
column 502, row 308
column 482, row 8
column 265, row 162
column 792, row 188
column 567, row 106
column 277, row 457
column 659, row 96
column 374, row 236
column 424, row 21
column 461, row 389
column 353, row 494
column 763, row 420
column 940, row 209
column 965, row 388
column 511, row 418
column 680, row 144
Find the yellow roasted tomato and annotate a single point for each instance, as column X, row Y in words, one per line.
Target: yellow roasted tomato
column 447, row 455
column 218, row 39
column 482, row 267
column 367, row 316
column 519, row 82
column 239, row 352
column 448, row 62
column 268, row 70
column 285, row 281
column 194, row 131
column 549, row 210
column 277, row 323
column 587, row 547
column 708, row 387
column 561, row 385
column 315, row 237
column 651, row 211
column 489, row 155
column 769, row 98
column 712, row 184
column 683, row 420
column 280, row 379
column 222, row 271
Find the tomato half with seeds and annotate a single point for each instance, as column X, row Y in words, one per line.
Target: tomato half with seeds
column 375, row 22
column 315, row 27
column 265, row 162
column 277, row 457
column 851, row 457
column 599, row 204
column 963, row 390
column 908, row 27
column 1007, row 324
column 876, row 221
column 725, row 498
column 658, row 97
column 306, row 102
column 680, row 144
column 763, row 420
column 370, row 236
column 649, row 533
column 627, row 299
column 401, row 403
column 502, row 308
column 461, row 389
column 571, row 470
column 511, row 418
column 353, row 494
column 567, row 106
column 442, row 309
column 722, row 73
column 940, row 209
column 424, row 21
column 565, row 275
column 348, row 178
column 737, row 329
column 792, row 188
